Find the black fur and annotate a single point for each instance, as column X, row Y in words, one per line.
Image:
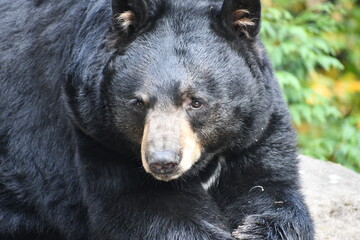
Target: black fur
column 70, row 131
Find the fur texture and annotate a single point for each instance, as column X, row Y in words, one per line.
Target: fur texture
column 80, row 80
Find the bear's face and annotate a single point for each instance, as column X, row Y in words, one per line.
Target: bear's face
column 184, row 92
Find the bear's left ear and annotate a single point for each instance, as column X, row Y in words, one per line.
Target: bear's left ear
column 242, row 16
column 131, row 15
column 124, row 15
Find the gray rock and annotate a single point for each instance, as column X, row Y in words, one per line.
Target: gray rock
column 332, row 193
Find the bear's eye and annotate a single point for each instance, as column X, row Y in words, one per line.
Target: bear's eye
column 196, row 104
column 139, row 104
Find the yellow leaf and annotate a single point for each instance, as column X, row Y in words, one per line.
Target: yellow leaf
column 321, row 85
column 345, row 87
column 321, row 90
column 337, row 16
column 267, row 3
column 303, row 128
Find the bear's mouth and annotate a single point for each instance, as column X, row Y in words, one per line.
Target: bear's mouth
column 167, row 176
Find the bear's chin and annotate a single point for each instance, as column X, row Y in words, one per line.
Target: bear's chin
column 167, row 177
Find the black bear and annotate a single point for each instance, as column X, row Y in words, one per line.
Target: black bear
column 143, row 119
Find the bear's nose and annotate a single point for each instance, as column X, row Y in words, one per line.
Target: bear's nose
column 163, row 162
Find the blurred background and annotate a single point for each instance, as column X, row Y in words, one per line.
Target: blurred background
column 314, row 46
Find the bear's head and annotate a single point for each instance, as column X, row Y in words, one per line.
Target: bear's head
column 182, row 80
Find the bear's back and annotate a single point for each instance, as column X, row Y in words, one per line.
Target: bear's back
column 36, row 170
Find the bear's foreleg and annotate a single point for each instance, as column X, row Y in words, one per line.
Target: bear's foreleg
column 260, row 196
column 265, row 209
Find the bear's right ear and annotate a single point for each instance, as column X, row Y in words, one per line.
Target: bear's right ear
column 242, row 16
column 130, row 15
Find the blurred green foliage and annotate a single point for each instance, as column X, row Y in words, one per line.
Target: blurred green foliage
column 315, row 51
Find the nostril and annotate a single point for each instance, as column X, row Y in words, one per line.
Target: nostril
column 162, row 168
column 163, row 161
column 156, row 166
column 170, row 165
